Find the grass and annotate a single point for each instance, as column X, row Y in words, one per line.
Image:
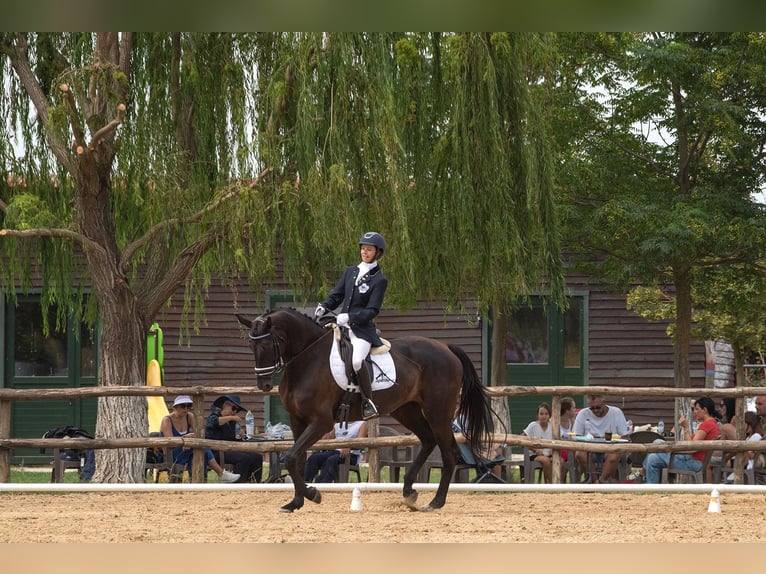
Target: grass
column 21, row 474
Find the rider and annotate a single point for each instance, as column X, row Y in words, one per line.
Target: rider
column 361, row 289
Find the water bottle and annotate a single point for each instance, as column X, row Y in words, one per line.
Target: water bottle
column 249, row 424
column 661, row 427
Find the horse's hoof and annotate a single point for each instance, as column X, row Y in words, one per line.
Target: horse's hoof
column 313, row 495
column 290, row 507
column 427, row 508
column 411, row 501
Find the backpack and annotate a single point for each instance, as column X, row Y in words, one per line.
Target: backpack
column 67, row 432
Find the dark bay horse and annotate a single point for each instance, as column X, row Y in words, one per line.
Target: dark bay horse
column 432, row 379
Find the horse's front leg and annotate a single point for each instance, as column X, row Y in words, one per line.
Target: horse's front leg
column 295, row 463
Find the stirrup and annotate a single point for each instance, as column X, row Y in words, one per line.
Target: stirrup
column 369, row 410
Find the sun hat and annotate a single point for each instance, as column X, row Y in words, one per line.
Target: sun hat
column 231, row 398
column 183, row 400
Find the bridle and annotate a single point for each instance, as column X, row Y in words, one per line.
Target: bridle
column 279, row 363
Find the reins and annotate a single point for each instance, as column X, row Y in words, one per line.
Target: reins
column 280, row 364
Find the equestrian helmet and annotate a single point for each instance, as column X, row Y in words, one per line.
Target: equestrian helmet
column 373, row 238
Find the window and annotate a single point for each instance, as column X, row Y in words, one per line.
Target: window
column 527, row 339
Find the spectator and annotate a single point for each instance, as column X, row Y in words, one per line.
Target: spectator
column 760, row 407
column 542, row 428
column 708, row 429
column 327, row 462
column 595, row 421
column 753, row 431
column 566, row 424
column 726, row 408
column 726, row 424
column 221, row 424
column 180, row 422
column 567, row 412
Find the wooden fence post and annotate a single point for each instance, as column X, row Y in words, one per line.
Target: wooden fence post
column 5, row 432
column 199, row 466
column 373, row 464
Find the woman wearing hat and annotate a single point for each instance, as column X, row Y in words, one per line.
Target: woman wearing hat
column 221, row 424
column 361, row 289
column 180, row 422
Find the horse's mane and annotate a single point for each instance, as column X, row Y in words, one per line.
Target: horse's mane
column 298, row 314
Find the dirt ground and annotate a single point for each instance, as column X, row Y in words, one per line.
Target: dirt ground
column 216, row 517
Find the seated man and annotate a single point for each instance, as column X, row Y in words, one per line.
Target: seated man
column 596, row 420
column 221, row 424
column 327, row 462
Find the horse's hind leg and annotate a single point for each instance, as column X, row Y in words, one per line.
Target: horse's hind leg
column 411, row 416
column 436, row 430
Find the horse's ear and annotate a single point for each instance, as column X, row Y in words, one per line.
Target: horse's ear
column 244, row 320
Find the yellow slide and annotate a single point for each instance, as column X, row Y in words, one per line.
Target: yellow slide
column 157, row 407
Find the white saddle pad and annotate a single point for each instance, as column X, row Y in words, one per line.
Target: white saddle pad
column 383, row 370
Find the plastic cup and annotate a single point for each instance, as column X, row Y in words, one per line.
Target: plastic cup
column 608, row 435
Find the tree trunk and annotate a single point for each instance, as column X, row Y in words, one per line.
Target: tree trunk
column 498, row 368
column 122, row 357
column 683, row 287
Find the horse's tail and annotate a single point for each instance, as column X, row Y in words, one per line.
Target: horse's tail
column 474, row 410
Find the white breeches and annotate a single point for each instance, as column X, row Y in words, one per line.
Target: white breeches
column 361, row 350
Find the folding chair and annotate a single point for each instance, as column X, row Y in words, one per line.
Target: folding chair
column 158, row 462
column 531, row 467
column 698, row 477
column 482, row 465
column 396, row 458
column 641, row 437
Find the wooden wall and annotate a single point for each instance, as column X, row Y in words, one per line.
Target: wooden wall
column 219, row 353
column 623, row 348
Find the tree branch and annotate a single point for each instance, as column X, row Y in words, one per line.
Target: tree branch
column 108, row 128
column 153, row 231
column 18, row 55
column 74, row 121
column 67, row 234
column 156, row 297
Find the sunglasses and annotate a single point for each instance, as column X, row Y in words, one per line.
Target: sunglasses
column 184, row 406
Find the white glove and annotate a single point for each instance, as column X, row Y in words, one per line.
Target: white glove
column 342, row 320
column 319, row 311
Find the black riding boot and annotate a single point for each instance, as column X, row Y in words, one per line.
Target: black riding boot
column 369, row 410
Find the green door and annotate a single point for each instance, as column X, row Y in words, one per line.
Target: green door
column 64, row 358
column 544, row 347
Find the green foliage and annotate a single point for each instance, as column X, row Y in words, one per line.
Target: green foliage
column 661, row 162
column 439, row 141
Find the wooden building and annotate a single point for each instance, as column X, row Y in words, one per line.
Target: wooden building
column 597, row 341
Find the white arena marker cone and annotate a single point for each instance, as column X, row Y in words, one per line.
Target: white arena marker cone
column 356, row 500
column 715, row 501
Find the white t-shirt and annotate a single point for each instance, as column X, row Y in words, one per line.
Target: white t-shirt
column 614, row 420
column 754, row 436
column 534, row 430
column 352, row 431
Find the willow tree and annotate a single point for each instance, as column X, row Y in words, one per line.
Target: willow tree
column 139, row 162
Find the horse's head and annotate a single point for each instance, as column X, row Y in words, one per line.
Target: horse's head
column 266, row 350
